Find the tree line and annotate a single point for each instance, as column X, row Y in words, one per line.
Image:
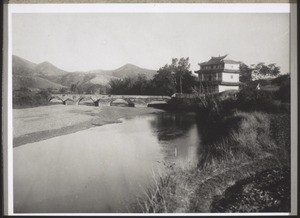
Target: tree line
column 171, row 78
column 175, row 77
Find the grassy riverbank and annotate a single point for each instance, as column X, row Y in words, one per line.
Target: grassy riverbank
column 244, row 165
column 240, row 159
column 39, row 123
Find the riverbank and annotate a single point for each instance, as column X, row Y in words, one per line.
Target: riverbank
column 232, row 177
column 40, row 123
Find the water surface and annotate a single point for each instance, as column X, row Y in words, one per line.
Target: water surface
column 101, row 169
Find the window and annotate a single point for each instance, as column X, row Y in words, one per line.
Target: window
column 209, row 77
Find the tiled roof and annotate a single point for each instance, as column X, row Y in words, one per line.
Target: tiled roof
column 215, row 60
column 219, row 60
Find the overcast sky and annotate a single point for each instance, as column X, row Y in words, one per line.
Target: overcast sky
column 80, row 42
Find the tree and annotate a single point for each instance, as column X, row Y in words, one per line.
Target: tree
column 245, row 73
column 262, row 71
column 73, row 88
column 164, row 82
column 63, row 90
column 175, row 77
column 140, row 86
column 116, row 86
column 76, row 88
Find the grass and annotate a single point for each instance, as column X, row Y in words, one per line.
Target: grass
column 267, row 191
column 244, row 149
column 246, row 137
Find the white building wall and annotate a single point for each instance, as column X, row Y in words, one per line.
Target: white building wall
column 230, row 77
column 224, row 88
column 232, row 66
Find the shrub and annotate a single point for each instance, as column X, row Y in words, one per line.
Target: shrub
column 267, row 191
column 242, row 135
column 284, row 92
column 25, row 98
column 251, row 99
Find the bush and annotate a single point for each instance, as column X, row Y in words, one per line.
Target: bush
column 267, row 191
column 284, row 92
column 212, row 108
column 242, row 135
column 25, row 98
column 251, row 99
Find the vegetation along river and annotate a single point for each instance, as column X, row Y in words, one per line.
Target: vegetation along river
column 104, row 168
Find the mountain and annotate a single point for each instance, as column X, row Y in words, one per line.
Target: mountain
column 34, row 82
column 48, row 69
column 46, row 75
column 31, row 75
column 128, row 70
column 22, row 67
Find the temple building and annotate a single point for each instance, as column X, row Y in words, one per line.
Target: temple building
column 219, row 74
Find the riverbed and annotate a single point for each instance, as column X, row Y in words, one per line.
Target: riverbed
column 105, row 168
column 44, row 122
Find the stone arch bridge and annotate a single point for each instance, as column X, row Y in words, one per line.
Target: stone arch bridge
column 97, row 100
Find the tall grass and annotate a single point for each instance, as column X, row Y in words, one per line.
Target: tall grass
column 158, row 198
column 235, row 145
column 249, row 139
column 241, row 145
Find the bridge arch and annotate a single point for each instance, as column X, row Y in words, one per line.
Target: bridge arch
column 121, row 102
column 140, row 102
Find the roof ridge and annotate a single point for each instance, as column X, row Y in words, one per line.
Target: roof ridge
column 220, row 57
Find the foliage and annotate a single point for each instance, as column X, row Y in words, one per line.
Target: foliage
column 241, row 135
column 131, row 86
column 245, row 73
column 251, row 99
column 169, row 79
column 76, row 89
column 25, row 98
column 264, row 71
column 175, row 77
column 267, row 191
column 63, row 90
column 284, row 92
column 164, row 82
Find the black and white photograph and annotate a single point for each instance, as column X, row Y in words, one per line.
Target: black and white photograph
column 150, row 108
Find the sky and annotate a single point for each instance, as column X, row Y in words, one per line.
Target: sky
column 83, row 42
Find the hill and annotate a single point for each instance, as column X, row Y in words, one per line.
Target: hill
column 48, row 69
column 34, row 82
column 23, row 67
column 130, row 70
column 32, row 75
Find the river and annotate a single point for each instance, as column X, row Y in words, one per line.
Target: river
column 103, row 169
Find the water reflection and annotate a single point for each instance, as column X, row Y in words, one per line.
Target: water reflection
column 102, row 169
column 178, row 137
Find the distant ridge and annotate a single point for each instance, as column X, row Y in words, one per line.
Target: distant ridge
column 47, row 75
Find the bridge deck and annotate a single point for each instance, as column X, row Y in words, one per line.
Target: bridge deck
column 96, row 99
column 111, row 96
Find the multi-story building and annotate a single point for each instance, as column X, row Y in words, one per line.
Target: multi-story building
column 219, row 74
